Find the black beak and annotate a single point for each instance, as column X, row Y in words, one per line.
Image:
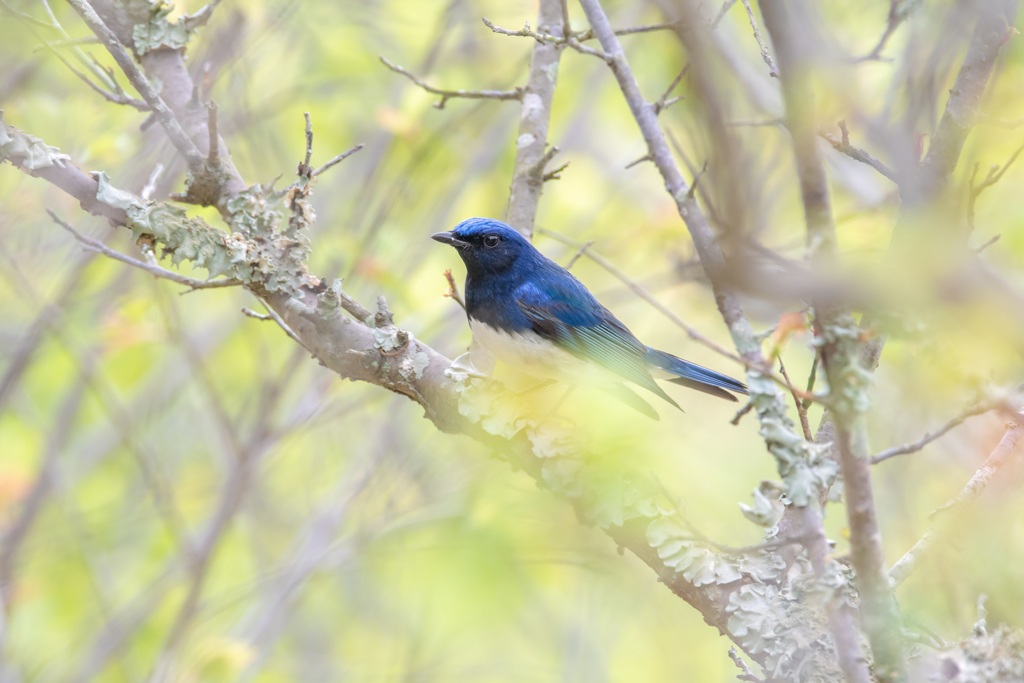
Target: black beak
column 449, row 238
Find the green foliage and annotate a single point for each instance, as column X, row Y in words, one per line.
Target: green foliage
column 161, row 33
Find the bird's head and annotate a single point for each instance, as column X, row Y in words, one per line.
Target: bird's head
column 487, row 245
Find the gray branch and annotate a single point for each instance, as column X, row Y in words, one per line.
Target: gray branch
column 839, row 355
column 913, row 447
column 185, row 146
column 531, row 157
column 446, row 95
column 970, row 493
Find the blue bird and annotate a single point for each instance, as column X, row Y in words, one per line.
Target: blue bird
column 533, row 315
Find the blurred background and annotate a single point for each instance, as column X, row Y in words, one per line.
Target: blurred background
column 365, row 545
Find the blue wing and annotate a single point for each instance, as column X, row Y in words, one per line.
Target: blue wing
column 561, row 309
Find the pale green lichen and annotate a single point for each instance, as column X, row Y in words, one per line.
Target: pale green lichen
column 768, row 506
column 413, row 366
column 704, row 565
column 995, row 656
column 273, row 255
column 28, row 151
column 613, row 496
column 255, row 253
column 803, row 466
column 159, row 32
column 779, row 622
column 848, row 379
column 328, row 303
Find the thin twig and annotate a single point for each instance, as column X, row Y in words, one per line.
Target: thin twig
column 516, row 94
column 773, row 70
column 578, row 254
column 556, row 174
column 69, row 42
column 637, row 162
column 741, row 413
column 633, row 30
column 811, row 377
column 282, row 324
column 988, row 243
column 696, row 180
column 893, row 21
column 99, row 247
column 995, row 174
column 354, row 308
column 167, row 119
column 304, row 168
column 747, row 674
column 800, row 409
column 337, row 159
column 533, row 153
column 453, row 290
column 664, row 102
column 970, row 493
column 213, row 157
column 569, row 40
column 913, row 447
column 115, row 94
column 726, row 6
column 856, row 153
column 24, row 17
column 150, row 187
column 253, row 314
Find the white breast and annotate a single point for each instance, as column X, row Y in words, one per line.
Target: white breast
column 530, row 353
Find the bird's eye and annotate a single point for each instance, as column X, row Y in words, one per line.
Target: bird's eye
column 491, row 240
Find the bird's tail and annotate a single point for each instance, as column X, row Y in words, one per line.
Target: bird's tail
column 694, row 376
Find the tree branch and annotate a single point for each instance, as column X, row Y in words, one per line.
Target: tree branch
column 856, row 153
column 784, row 444
column 773, row 69
column 913, row 447
column 839, row 352
column 446, row 95
column 970, row 493
column 100, row 248
column 994, row 28
column 895, row 17
column 163, row 113
column 547, row 38
column 167, row 67
column 528, row 171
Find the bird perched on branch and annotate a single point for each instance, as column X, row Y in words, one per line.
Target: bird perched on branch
column 533, row 315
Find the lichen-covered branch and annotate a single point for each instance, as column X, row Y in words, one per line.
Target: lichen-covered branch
column 840, row 359
column 740, row 594
column 155, row 270
column 185, row 146
column 159, row 45
column 803, row 472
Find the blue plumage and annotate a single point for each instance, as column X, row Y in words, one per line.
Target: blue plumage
column 533, row 314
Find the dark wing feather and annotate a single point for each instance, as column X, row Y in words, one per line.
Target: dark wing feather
column 571, row 318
